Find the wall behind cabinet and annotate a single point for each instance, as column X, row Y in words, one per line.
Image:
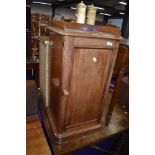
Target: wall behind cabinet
column 60, row 12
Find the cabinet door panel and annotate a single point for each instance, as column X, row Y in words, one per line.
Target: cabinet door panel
column 87, row 83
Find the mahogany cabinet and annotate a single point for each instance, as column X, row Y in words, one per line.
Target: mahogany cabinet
column 76, row 64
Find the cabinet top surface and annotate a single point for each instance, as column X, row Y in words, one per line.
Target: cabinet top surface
column 84, row 30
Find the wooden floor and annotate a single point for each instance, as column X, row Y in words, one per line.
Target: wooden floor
column 36, row 143
column 118, row 123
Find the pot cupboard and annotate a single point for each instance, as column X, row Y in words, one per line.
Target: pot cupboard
column 76, row 65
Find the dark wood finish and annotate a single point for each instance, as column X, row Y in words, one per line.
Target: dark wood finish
column 119, row 122
column 31, row 98
column 44, row 23
column 124, row 93
column 35, row 66
column 28, row 43
column 83, row 76
column 35, row 28
column 121, row 67
column 75, row 29
column 35, row 23
column 39, row 24
column 36, row 143
column 81, row 63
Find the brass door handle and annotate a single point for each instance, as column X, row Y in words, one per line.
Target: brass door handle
column 65, row 92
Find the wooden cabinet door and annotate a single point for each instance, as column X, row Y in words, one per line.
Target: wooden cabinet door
column 88, row 78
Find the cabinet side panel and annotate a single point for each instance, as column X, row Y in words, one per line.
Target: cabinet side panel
column 55, row 76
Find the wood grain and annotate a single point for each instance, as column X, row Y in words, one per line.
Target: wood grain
column 35, row 66
column 55, row 77
column 121, row 68
column 36, row 143
column 31, row 98
column 87, row 85
column 81, row 70
column 76, row 29
column 119, row 122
